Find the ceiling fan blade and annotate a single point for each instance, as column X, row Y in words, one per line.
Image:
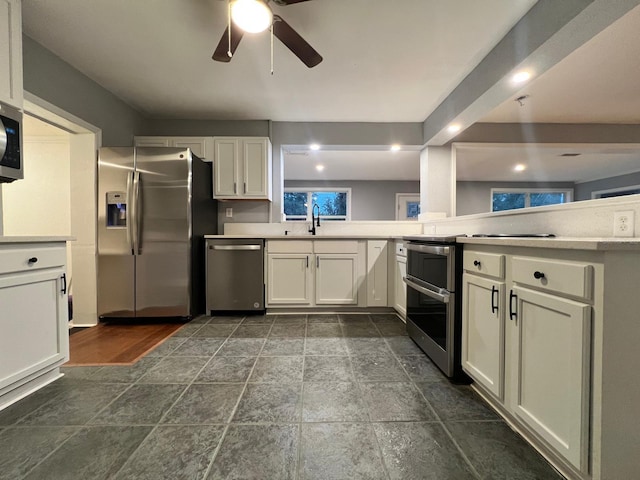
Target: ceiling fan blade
column 288, row 2
column 294, row 42
column 220, row 53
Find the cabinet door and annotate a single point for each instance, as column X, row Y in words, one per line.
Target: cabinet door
column 552, row 371
column 35, row 323
column 401, row 288
column 377, row 273
column 225, row 167
column 152, row 142
column 198, row 145
column 289, row 279
column 483, row 332
column 336, row 279
column 255, row 167
column 11, row 52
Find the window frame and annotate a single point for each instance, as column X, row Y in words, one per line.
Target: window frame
column 309, row 191
column 528, row 191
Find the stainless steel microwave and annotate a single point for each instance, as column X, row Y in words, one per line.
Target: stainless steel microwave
column 11, row 167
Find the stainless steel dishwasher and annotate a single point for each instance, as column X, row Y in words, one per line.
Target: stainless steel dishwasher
column 235, row 274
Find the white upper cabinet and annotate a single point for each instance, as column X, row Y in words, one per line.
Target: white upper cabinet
column 242, row 168
column 11, row 52
column 202, row 147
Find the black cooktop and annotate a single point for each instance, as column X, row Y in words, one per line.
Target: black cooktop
column 517, row 235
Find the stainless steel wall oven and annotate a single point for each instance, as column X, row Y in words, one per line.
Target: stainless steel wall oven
column 433, row 281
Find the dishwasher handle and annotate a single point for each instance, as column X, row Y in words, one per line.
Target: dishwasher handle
column 235, row 247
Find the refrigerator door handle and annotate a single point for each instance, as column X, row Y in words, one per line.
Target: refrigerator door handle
column 138, row 214
column 130, row 212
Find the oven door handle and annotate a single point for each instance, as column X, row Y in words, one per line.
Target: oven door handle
column 426, row 291
column 434, row 249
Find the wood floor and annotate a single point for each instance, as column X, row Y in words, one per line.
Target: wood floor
column 116, row 344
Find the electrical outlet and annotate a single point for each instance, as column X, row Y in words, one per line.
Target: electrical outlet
column 229, row 212
column 623, row 225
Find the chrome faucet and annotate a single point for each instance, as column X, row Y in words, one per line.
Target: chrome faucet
column 314, row 223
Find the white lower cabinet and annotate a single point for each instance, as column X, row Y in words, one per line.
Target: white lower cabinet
column 34, row 337
column 313, row 273
column 289, row 279
column 552, row 358
column 526, row 342
column 400, row 297
column 377, row 273
column 336, row 279
column 483, row 332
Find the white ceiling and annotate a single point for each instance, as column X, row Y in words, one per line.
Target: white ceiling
column 597, row 83
column 384, row 60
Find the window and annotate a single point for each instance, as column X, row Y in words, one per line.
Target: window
column 509, row 199
column 616, row 192
column 334, row 203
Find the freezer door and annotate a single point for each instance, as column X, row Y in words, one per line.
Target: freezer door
column 163, row 232
column 116, row 263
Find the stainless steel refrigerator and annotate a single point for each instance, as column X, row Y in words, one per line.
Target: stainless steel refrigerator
column 154, row 207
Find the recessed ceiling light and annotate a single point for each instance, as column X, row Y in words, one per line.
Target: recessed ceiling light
column 314, row 146
column 521, row 77
column 319, row 168
column 520, row 168
column 395, row 147
column 453, row 128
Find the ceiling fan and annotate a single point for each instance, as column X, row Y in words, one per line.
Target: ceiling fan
column 254, row 16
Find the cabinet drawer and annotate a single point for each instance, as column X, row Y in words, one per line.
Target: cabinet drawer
column 491, row 264
column 289, row 246
column 556, row 276
column 335, row 246
column 15, row 258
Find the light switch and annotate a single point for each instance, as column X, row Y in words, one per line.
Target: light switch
column 229, row 212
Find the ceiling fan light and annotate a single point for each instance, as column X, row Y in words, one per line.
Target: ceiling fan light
column 252, row 16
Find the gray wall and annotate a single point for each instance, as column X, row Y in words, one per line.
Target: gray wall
column 55, row 81
column 370, row 200
column 475, row 197
column 583, row 190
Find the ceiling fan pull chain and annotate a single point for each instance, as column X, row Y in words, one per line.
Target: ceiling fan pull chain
column 229, row 28
column 271, row 36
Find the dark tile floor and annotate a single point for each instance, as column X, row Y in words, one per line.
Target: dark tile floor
column 275, row 397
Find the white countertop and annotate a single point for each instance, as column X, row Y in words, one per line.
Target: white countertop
column 573, row 243
column 310, row 237
column 35, row 239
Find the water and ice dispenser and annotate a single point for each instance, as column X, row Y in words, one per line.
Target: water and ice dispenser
column 116, row 209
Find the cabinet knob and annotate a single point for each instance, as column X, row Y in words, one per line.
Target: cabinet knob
column 476, row 263
column 538, row 275
column 33, row 259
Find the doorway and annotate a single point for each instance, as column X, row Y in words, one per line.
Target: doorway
column 58, row 196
